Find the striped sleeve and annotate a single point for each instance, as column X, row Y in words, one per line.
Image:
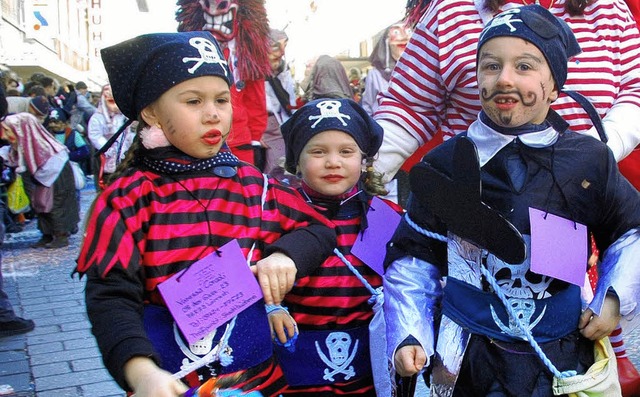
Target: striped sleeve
column 433, row 85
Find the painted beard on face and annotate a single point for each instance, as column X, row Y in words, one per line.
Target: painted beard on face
column 527, row 101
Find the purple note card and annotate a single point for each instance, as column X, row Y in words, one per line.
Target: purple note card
column 558, row 247
column 210, row 292
column 371, row 245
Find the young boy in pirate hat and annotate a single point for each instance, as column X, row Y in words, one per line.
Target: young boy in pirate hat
column 179, row 197
column 504, row 212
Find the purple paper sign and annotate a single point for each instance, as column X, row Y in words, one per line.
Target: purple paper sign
column 210, row 292
column 371, row 245
column 558, row 247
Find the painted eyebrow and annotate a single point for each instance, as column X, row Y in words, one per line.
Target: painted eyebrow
column 526, row 55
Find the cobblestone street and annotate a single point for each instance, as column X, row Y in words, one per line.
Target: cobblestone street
column 60, row 357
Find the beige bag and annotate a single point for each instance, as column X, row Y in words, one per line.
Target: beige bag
column 600, row 380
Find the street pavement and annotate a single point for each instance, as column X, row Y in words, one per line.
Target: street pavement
column 60, row 357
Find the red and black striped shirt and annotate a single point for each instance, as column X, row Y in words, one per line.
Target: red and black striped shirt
column 146, row 227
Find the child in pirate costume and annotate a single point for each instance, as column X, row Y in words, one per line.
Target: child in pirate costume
column 504, row 211
column 180, row 197
column 330, row 144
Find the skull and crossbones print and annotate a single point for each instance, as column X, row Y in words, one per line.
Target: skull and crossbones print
column 208, row 54
column 329, row 109
column 338, row 344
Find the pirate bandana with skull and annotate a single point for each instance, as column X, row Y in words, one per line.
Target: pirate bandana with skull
column 329, row 114
column 208, row 54
column 240, row 26
column 141, row 69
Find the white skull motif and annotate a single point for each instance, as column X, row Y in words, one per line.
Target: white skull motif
column 208, row 54
column 517, row 281
column 329, row 109
column 523, row 310
column 506, row 18
column 338, row 344
column 339, row 359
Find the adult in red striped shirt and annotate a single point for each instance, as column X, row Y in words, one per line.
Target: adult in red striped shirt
column 433, row 91
column 630, row 165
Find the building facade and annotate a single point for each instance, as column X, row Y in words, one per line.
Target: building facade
column 59, row 38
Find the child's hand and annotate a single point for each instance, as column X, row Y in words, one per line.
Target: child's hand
column 148, row 380
column 409, row 360
column 276, row 275
column 597, row 327
column 283, row 326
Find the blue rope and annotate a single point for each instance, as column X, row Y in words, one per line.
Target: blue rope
column 273, row 308
column 356, row 272
column 503, row 298
column 423, row 231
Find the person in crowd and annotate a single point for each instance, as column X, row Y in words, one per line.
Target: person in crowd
column 57, row 122
column 383, row 58
column 45, row 163
column 244, row 37
column 83, row 109
column 281, row 100
column 330, row 143
column 630, row 168
column 630, row 165
column 10, row 323
column 356, row 82
column 178, row 197
column 327, row 79
column 33, row 89
column 13, row 83
column 95, row 99
column 51, row 88
column 39, row 107
column 509, row 323
column 36, row 77
column 103, row 125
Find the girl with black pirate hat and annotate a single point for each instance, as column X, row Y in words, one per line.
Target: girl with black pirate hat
column 180, row 197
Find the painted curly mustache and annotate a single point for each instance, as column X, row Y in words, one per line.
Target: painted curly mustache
column 507, row 119
column 531, row 96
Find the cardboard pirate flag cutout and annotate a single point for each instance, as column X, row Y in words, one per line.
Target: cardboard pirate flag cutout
column 458, row 203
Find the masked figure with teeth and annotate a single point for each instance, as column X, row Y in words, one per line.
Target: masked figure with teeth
column 242, row 29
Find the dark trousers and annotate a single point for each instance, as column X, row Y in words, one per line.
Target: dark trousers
column 6, row 310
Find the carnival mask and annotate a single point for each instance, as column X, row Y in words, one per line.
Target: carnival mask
column 220, row 18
